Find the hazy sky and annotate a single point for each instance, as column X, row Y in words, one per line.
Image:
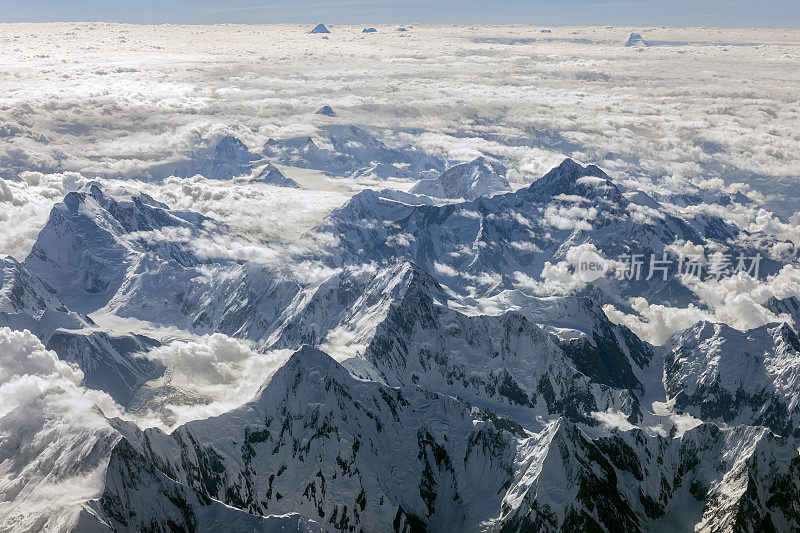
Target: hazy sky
column 720, row 13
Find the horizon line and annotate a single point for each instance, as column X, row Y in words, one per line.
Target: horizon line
column 407, row 23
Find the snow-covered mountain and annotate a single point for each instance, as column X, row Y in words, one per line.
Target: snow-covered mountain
column 469, row 181
column 272, row 175
column 352, row 151
column 721, row 374
column 65, row 466
column 346, row 150
column 427, row 384
column 108, row 362
column 357, row 454
column 636, row 39
column 789, row 306
column 111, row 363
column 490, row 244
column 27, row 302
column 224, row 159
column 92, row 241
column 396, row 328
column 134, row 257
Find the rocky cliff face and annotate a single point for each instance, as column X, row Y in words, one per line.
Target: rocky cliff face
column 353, row 454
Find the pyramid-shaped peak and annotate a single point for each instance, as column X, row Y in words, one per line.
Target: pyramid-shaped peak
column 320, row 28
column 230, row 142
column 302, row 374
column 417, row 277
column 92, row 188
column 636, row 39
column 302, row 364
column 571, row 178
column 73, row 201
column 272, row 175
column 569, row 166
column 326, row 110
column 311, row 356
column 231, row 148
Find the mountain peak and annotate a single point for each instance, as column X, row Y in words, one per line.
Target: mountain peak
column 310, row 356
column 124, row 210
column 636, row 40
column 272, row 175
column 789, row 306
column 568, row 164
column 93, row 188
column 92, row 237
column 230, row 148
column 326, row 110
column 105, row 199
column 320, row 28
column 73, row 199
column 568, row 167
column 225, row 158
column 477, row 178
column 305, row 369
column 352, row 150
column 789, row 336
column 717, row 373
column 571, row 178
column 409, row 282
column 488, row 165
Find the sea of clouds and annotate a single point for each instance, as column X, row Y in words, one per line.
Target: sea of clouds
column 95, row 101
column 111, row 100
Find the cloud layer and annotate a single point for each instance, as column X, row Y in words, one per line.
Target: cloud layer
column 111, row 99
column 54, row 436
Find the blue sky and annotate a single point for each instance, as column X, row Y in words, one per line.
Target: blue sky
column 721, row 13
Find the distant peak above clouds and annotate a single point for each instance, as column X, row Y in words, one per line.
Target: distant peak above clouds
column 225, row 159
column 272, row 175
column 570, row 177
column 636, row 39
column 326, row 110
column 480, row 177
column 353, row 151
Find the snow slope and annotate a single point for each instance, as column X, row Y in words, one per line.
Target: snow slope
column 467, row 180
column 428, row 388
